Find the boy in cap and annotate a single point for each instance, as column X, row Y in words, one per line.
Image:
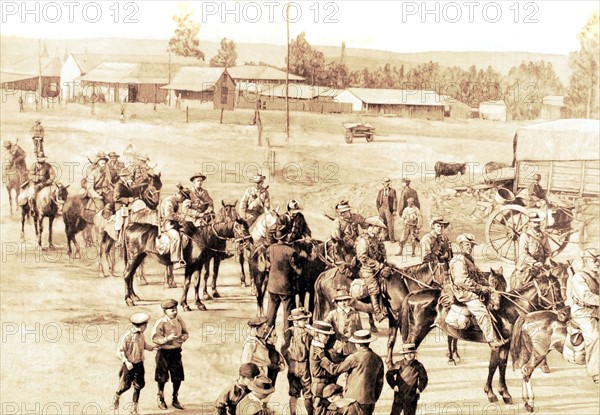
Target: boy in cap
column 169, row 333
column 338, row 405
column 255, row 348
column 256, row 401
column 411, row 216
column 320, row 354
column 295, row 350
column 345, row 321
column 130, row 352
column 408, row 378
column 229, row 399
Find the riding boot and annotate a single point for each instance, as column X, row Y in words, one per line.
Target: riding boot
column 377, row 311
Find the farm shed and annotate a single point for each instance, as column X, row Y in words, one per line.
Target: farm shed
column 492, row 110
column 204, row 85
column 23, row 75
column 261, row 74
column 552, row 107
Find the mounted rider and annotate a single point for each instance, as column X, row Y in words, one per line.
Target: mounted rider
column 200, row 202
column 583, row 290
column 41, row 175
column 142, row 172
column 97, row 184
column 255, row 200
column 173, row 213
column 346, row 226
column 16, row 157
column 370, row 251
column 114, row 166
column 466, row 287
column 123, row 195
column 294, row 225
column 436, row 249
column 534, row 251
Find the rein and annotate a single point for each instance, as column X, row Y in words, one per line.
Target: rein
column 404, row 275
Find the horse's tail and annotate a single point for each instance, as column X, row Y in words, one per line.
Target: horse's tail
column 405, row 318
column 519, row 349
column 317, row 298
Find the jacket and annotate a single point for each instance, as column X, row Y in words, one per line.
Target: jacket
column 406, row 194
column 464, row 278
column 121, row 195
column 255, row 200
column 345, row 323
column 582, row 294
column 347, row 230
column 42, row 174
column 97, row 182
column 411, row 216
column 409, row 376
column 229, row 399
column 37, row 131
column 296, row 345
column 283, row 273
column 436, row 248
column 255, row 351
column 171, row 210
column 370, row 252
column 391, row 199
column 319, row 359
column 533, row 247
column 201, row 201
column 296, row 227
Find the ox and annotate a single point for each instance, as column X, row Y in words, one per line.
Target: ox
column 449, row 169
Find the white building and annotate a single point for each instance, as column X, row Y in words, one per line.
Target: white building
column 492, row 110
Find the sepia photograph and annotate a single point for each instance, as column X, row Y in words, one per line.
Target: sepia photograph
column 323, row 207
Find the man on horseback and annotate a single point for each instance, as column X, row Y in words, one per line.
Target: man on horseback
column 114, row 167
column 467, row 288
column 173, row 214
column 370, row 251
column 255, row 200
column 200, row 201
column 582, row 295
column 142, row 172
column 42, row 174
column 436, row 249
column 37, row 135
column 16, row 157
column 294, row 226
column 97, row 183
column 123, row 195
column 534, row 251
column 346, row 227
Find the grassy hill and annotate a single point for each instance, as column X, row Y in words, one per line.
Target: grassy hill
column 275, row 54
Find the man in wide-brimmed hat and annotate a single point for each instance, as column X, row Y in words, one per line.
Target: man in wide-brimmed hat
column 408, row 378
column 142, row 172
column 533, row 251
column 319, row 356
column 346, row 228
column 173, row 213
column 386, row 206
column 114, row 166
column 467, row 289
column 255, row 200
column 97, row 182
column 370, row 251
column 295, row 350
column 582, row 295
column 436, row 248
column 365, row 372
column 37, row 135
column 255, row 402
column 345, row 321
column 201, row 204
column 41, row 175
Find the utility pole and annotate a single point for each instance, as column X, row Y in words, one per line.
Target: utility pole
column 39, row 88
column 287, row 76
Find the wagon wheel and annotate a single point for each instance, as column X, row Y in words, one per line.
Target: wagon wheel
column 349, row 136
column 557, row 240
column 369, row 138
column 503, row 229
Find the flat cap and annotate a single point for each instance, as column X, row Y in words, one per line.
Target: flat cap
column 139, row 318
column 257, row 321
column 168, row 303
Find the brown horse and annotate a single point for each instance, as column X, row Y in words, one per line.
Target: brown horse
column 420, row 314
column 15, row 174
column 48, row 203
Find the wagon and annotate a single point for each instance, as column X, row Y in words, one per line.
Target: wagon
column 354, row 129
column 565, row 153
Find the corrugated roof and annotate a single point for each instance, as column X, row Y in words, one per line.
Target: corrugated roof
column 49, row 66
column 295, row 91
column 6, row 77
column 569, row 139
column 261, row 73
column 397, row 96
column 129, row 73
column 86, row 62
column 195, row 79
column 554, row 100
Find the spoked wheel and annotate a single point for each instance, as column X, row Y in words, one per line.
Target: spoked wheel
column 369, row 138
column 558, row 240
column 503, row 229
column 349, row 137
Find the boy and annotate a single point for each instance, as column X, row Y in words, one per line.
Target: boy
column 338, row 405
column 130, row 351
column 255, row 403
column 411, row 216
column 345, row 321
column 408, row 378
column 255, row 348
column 169, row 333
column 295, row 350
column 229, row 399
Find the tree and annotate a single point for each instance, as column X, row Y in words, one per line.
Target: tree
column 306, row 61
column 227, row 55
column 581, row 99
column 185, row 40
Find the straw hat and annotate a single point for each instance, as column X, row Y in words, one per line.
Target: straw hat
column 362, row 336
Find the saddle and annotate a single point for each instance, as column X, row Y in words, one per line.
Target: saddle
column 454, row 313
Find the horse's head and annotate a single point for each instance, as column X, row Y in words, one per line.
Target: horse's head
column 241, row 230
column 551, row 285
column 60, row 195
column 151, row 191
column 498, row 282
column 561, row 272
column 227, row 212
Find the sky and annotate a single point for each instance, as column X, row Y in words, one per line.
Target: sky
column 399, row 26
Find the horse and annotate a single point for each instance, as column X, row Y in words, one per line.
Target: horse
column 140, row 241
column 216, row 250
column 77, row 220
column 48, row 203
column 15, row 174
column 396, row 287
column 420, row 313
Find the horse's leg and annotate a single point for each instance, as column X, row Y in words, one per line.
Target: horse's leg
column 141, row 275
column 24, row 214
column 503, row 389
column 488, row 389
column 186, row 286
column 455, row 350
column 372, row 323
column 38, row 222
column 130, row 270
column 10, row 199
column 393, row 324
column 216, row 264
column 242, row 272
column 450, row 354
column 199, row 303
column 544, row 366
column 206, row 266
column 102, row 255
column 169, row 277
column 50, row 222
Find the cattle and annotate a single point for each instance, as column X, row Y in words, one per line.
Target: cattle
column 449, row 169
column 493, row 165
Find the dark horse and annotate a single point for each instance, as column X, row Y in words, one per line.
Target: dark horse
column 77, row 219
column 140, row 241
column 396, row 287
column 48, row 203
column 420, row 312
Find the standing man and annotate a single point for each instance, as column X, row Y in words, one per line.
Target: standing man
column 21, row 104
column 283, row 278
column 255, row 200
column 582, row 295
column 466, row 289
column 370, row 251
column 173, row 214
column 436, row 249
column 345, row 228
column 386, row 206
column 37, row 135
column 406, row 193
column 320, row 356
column 408, row 379
column 534, row 251
column 201, row 202
column 411, row 216
column 169, row 334
column 365, row 373
column 114, row 166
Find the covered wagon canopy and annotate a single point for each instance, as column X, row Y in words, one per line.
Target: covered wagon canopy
column 570, row 139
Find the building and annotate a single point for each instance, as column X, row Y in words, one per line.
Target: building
column 261, row 74
column 492, row 110
column 404, row 103
column 193, row 86
column 455, row 109
column 552, row 107
column 22, row 76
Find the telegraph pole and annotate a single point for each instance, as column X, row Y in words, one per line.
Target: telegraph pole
column 287, row 76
